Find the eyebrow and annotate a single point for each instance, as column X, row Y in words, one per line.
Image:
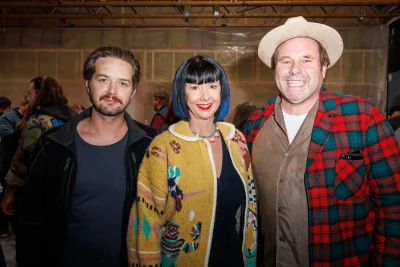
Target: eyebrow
column 106, row 76
column 307, row 56
column 284, row 57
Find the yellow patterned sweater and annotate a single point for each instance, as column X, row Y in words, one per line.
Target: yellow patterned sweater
column 172, row 221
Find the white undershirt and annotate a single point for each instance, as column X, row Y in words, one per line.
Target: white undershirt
column 293, row 124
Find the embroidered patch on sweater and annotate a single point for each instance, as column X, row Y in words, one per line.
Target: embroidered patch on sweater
column 243, row 149
column 172, row 244
column 158, row 152
column 174, row 173
column 176, row 147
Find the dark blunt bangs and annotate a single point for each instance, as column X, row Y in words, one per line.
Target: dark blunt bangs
column 199, row 69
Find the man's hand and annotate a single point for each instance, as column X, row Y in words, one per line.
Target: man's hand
column 7, row 205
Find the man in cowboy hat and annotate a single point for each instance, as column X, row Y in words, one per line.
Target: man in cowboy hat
column 327, row 166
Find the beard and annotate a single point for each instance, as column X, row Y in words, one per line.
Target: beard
column 106, row 110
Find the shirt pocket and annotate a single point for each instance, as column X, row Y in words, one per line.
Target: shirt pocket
column 349, row 179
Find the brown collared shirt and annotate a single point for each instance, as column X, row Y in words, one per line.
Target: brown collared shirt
column 279, row 169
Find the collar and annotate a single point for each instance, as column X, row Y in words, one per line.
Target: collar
column 66, row 134
column 182, row 130
column 162, row 107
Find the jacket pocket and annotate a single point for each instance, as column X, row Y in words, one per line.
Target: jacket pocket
column 349, row 179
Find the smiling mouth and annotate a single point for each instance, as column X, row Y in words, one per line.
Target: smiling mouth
column 205, row 106
column 296, row 83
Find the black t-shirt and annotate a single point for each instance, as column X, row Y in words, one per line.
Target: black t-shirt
column 95, row 222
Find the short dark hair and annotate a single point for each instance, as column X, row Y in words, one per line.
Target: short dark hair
column 323, row 56
column 4, row 102
column 393, row 109
column 199, row 69
column 242, row 113
column 162, row 94
column 89, row 68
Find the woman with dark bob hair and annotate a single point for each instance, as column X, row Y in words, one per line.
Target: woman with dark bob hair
column 196, row 200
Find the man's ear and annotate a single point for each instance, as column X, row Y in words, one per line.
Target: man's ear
column 324, row 68
column 133, row 92
column 87, row 86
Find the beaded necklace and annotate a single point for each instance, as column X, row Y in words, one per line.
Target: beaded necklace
column 212, row 136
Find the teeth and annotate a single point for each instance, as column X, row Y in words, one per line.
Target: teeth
column 296, row 83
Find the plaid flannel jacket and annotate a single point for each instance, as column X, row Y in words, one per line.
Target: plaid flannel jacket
column 353, row 205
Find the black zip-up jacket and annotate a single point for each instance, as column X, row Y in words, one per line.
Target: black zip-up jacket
column 45, row 201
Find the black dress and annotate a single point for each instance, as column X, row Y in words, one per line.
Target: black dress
column 226, row 247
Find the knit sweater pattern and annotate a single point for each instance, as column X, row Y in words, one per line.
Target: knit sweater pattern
column 172, row 221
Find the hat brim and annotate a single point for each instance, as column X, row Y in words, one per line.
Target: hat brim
column 329, row 38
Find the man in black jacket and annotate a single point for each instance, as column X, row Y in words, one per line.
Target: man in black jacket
column 74, row 209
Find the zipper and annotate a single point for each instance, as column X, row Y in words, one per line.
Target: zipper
column 34, row 161
column 134, row 164
column 66, row 168
column 67, row 162
column 130, row 167
column 131, row 180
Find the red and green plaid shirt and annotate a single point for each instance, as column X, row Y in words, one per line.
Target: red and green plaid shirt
column 353, row 205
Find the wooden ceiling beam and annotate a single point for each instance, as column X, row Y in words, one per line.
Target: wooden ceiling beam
column 139, row 3
column 168, row 25
column 192, row 15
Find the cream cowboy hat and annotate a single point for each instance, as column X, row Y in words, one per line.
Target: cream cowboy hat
column 329, row 38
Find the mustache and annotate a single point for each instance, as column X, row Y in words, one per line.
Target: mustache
column 113, row 97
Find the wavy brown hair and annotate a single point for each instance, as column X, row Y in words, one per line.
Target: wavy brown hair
column 37, row 83
column 49, row 91
column 89, row 67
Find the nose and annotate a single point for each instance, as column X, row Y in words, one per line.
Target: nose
column 205, row 94
column 113, row 88
column 295, row 68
